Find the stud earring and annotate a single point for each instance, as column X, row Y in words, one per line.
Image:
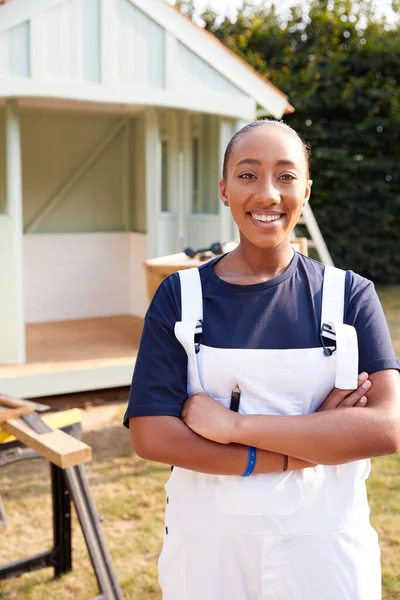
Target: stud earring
column 226, row 203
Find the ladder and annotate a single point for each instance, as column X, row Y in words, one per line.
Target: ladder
column 316, row 240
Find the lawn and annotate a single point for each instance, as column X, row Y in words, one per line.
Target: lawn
column 130, row 498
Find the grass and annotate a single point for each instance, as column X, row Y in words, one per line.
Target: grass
column 130, row 498
column 390, row 298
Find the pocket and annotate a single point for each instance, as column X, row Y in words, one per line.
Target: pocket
column 268, row 495
column 254, row 403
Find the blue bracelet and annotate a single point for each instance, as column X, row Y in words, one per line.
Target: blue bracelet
column 252, row 462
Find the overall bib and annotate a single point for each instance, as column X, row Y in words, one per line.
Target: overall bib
column 295, row 535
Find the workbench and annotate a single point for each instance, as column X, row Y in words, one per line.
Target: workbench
column 24, row 435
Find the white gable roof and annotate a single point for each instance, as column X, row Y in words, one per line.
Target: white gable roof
column 211, row 50
column 205, row 66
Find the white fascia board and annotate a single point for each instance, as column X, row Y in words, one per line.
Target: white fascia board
column 37, row 382
column 18, row 11
column 217, row 104
column 220, row 58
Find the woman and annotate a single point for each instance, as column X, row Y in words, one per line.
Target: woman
column 267, row 503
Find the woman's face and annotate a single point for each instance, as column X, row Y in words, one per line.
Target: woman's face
column 266, row 185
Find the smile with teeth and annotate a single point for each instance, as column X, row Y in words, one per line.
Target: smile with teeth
column 266, row 218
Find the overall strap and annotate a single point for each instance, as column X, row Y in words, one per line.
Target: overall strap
column 191, row 295
column 333, row 295
column 189, row 329
column 333, row 328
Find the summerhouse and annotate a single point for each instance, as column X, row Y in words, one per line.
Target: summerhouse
column 113, row 119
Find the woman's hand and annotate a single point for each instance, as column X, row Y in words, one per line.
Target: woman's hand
column 209, row 418
column 348, row 398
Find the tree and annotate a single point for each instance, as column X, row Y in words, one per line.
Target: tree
column 341, row 70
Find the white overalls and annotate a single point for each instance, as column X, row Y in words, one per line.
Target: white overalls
column 298, row 535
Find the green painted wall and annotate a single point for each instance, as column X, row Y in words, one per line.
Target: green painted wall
column 54, row 146
column 137, row 174
column 210, row 164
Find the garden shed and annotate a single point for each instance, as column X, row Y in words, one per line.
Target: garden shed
column 113, row 119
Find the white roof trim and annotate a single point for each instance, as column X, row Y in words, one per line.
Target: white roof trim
column 238, row 107
column 221, row 59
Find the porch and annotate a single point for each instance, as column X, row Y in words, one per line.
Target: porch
column 76, row 355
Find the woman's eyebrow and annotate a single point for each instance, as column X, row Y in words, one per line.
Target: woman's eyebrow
column 251, row 161
column 287, row 163
column 255, row 161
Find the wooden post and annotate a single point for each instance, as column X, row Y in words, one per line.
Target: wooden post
column 153, row 180
column 225, row 218
column 12, row 322
column 316, row 236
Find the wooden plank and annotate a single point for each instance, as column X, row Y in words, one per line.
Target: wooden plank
column 14, row 402
column 56, row 446
column 56, row 420
column 8, row 402
column 14, row 413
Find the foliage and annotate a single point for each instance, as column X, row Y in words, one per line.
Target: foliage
column 340, row 67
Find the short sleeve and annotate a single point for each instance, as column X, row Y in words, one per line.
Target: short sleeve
column 159, row 383
column 365, row 313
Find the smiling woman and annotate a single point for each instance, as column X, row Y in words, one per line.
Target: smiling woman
column 266, row 184
column 243, row 366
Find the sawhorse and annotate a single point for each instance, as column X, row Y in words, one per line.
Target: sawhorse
column 67, row 484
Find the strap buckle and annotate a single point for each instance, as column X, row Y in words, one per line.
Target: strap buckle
column 198, row 335
column 327, row 332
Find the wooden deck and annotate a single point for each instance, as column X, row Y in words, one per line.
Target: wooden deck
column 71, row 356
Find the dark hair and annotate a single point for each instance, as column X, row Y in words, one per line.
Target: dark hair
column 264, row 123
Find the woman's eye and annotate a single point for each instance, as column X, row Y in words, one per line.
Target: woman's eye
column 246, row 176
column 287, row 177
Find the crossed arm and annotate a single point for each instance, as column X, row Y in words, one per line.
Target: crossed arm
column 325, row 437
column 213, row 439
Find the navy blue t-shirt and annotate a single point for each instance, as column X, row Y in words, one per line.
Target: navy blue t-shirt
column 281, row 313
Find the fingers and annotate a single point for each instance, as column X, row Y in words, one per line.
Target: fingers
column 189, row 404
column 342, row 398
column 362, row 401
column 185, row 409
column 357, row 397
column 362, row 377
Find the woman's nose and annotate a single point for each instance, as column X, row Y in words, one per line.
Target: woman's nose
column 268, row 192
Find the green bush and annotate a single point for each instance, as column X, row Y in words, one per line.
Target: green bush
column 340, row 67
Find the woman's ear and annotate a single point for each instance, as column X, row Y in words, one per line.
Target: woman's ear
column 307, row 192
column 222, row 192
